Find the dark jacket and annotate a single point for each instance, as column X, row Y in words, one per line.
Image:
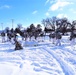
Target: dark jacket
column 2, row 34
column 58, row 36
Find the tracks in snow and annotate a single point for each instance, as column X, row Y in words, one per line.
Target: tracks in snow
column 67, row 69
column 41, row 57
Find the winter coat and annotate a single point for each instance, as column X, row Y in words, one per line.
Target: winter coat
column 58, row 36
column 52, row 35
column 3, row 34
column 17, row 45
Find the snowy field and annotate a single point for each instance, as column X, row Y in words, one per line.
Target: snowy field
column 41, row 59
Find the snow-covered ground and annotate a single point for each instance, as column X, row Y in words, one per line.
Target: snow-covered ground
column 41, row 59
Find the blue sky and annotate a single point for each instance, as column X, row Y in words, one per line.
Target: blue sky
column 27, row 12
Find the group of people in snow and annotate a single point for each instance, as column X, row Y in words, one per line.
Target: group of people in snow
column 54, row 36
column 11, row 37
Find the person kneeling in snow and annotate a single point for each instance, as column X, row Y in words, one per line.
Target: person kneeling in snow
column 18, row 45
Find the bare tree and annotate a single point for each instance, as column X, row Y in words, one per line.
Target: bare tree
column 19, row 25
column 74, row 23
column 7, row 29
column 49, row 22
column 44, row 22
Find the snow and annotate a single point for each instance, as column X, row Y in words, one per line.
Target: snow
column 38, row 58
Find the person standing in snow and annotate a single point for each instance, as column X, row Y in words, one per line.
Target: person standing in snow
column 3, row 36
column 58, row 38
column 72, row 37
column 52, row 36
